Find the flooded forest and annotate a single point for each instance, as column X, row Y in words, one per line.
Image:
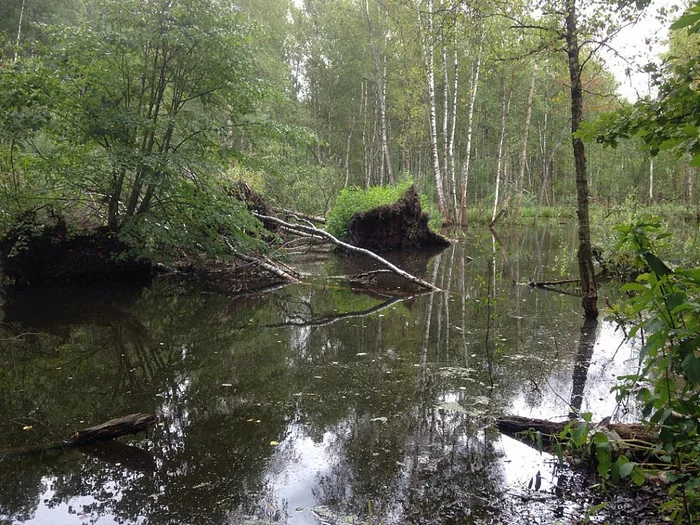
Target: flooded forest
column 324, row 262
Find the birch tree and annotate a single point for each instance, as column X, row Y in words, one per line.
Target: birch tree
column 426, row 32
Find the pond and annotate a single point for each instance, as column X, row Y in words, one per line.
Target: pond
column 313, row 403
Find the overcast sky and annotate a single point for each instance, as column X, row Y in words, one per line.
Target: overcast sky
column 641, row 43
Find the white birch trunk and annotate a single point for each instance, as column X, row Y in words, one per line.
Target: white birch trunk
column 470, row 127
column 451, row 149
column 380, row 82
column 428, row 56
column 505, row 102
column 19, row 30
column 523, row 150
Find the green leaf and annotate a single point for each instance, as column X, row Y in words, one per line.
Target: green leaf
column 638, row 476
column 691, row 367
column 686, row 20
column 579, row 434
column 656, row 264
column 626, row 469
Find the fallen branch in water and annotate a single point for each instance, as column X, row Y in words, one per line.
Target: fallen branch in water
column 269, row 266
column 512, row 425
column 313, row 231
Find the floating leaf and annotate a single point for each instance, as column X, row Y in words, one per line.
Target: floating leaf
column 274, row 443
column 27, row 427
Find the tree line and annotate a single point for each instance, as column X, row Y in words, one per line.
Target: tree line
column 138, row 114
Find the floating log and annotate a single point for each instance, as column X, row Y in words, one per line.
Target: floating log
column 111, row 429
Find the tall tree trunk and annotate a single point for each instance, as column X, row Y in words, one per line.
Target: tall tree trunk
column 19, row 30
column 585, row 257
column 651, row 180
column 428, row 58
column 445, row 119
column 365, row 149
column 381, row 94
column 453, row 128
column 505, row 104
column 470, row 127
column 523, row 150
column 690, row 172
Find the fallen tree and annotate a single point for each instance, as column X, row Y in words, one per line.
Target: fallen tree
column 514, row 425
column 313, row 232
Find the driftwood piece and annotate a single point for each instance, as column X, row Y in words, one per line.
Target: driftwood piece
column 312, row 230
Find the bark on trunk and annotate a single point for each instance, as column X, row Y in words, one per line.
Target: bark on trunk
column 589, row 291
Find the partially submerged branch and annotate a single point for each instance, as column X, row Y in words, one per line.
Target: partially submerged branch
column 286, row 274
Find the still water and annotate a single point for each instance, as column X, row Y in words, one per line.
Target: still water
column 317, row 402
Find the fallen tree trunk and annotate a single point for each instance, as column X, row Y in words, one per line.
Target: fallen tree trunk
column 313, row 231
column 512, row 425
column 111, row 429
column 275, row 270
column 543, row 284
column 300, row 215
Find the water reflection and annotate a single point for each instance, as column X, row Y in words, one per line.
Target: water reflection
column 312, row 400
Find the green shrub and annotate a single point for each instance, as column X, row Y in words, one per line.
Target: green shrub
column 354, row 200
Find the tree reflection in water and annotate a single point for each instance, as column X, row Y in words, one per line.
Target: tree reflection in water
column 377, row 404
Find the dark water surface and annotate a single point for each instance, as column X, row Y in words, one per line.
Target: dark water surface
column 314, row 402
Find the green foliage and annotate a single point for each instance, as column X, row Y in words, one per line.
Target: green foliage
column 128, row 117
column 664, row 311
column 354, row 200
column 203, row 221
column 620, row 256
column 668, row 121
